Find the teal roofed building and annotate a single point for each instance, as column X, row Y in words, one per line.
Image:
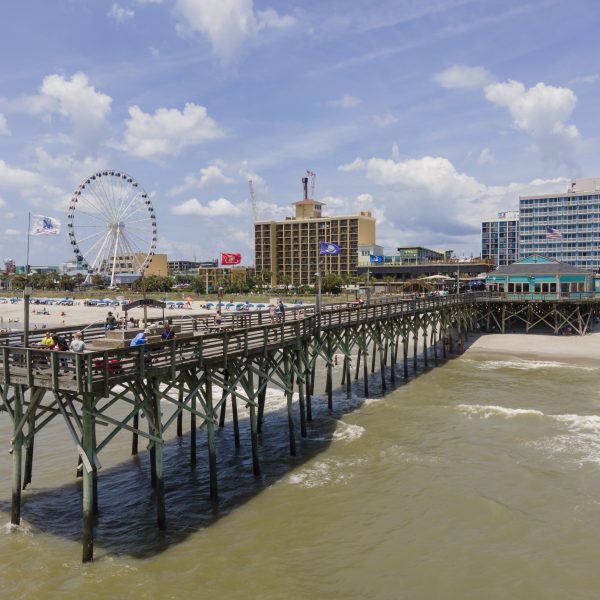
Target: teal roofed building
column 538, row 276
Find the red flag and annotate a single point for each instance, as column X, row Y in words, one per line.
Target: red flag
column 230, row 259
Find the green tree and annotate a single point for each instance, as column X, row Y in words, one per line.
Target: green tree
column 332, row 283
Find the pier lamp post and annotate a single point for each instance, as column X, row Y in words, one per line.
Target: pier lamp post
column 318, row 276
column 27, row 291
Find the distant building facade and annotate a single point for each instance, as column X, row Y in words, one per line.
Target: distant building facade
column 184, row 266
column 500, row 239
column 564, row 226
column 287, row 252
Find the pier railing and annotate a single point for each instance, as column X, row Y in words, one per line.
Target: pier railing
column 200, row 342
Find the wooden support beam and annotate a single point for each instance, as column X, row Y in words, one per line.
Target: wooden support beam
column 154, row 399
column 253, row 426
column 210, row 431
column 236, row 425
column 89, row 474
column 290, row 397
column 180, row 412
column 17, row 448
column 300, row 383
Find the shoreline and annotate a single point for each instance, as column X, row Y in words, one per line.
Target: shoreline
column 572, row 349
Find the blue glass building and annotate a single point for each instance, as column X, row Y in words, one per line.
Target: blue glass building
column 500, row 239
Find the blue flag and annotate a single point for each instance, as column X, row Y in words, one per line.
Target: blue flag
column 373, row 258
column 326, row 248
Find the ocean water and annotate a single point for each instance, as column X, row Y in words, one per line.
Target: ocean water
column 479, row 478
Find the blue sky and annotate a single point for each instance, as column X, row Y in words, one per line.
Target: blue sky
column 433, row 115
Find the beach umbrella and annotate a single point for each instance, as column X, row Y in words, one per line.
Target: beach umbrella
column 180, row 302
column 209, row 305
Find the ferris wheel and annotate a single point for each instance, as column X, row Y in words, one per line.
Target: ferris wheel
column 112, row 225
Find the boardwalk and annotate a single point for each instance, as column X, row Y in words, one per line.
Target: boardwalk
column 240, row 359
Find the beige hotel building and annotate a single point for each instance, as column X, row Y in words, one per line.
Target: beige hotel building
column 289, row 250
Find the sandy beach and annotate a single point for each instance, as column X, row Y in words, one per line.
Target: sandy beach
column 11, row 315
column 575, row 349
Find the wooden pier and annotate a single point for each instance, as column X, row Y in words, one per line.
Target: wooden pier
column 242, row 357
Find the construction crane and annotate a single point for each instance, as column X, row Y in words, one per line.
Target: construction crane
column 253, row 200
column 311, row 191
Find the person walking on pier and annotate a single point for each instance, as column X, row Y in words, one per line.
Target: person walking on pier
column 111, row 321
column 168, row 333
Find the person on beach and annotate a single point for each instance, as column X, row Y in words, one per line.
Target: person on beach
column 168, row 333
column 111, row 321
column 77, row 344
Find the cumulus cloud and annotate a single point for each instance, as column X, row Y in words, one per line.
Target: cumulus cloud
column 227, row 24
column 77, row 168
column 541, row 111
column 30, row 185
column 434, row 203
column 120, row 14
column 168, row 131
column 214, row 208
column 12, row 232
column 74, row 99
column 346, row 101
column 463, row 76
column 209, row 176
column 4, row 130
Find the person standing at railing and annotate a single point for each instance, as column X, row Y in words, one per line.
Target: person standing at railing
column 168, row 333
column 77, row 344
column 111, row 321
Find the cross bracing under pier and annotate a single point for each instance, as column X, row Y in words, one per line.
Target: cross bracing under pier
column 207, row 370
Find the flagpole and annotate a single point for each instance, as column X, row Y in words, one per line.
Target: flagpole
column 26, row 289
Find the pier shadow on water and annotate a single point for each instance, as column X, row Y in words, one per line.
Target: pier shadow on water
column 126, row 523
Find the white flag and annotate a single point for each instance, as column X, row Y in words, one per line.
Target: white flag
column 41, row 225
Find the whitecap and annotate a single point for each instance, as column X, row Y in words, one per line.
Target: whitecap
column 526, row 365
column 487, row 411
column 347, row 432
column 325, row 472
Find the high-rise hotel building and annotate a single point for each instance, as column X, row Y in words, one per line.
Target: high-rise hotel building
column 500, row 239
column 573, row 217
column 289, row 250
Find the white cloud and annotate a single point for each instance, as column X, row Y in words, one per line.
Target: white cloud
column 4, row 130
column 214, row 208
column 73, row 99
column 168, row 131
column 463, row 76
column 12, row 232
column 77, row 168
column 346, row 101
column 15, row 178
column 486, row 157
column 120, row 14
column 212, row 175
column 541, row 111
column 592, row 78
column 144, row 2
column 433, row 203
column 270, row 18
column 209, row 176
column 2, row 205
column 227, row 24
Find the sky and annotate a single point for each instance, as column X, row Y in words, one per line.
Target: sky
column 432, row 115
